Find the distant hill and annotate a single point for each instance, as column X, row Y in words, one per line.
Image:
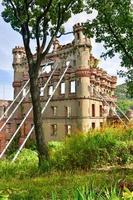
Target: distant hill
column 123, row 99
column 121, row 92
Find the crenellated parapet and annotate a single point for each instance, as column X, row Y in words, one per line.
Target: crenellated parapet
column 80, row 38
column 18, row 55
column 18, row 49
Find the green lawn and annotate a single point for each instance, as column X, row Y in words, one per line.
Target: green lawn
column 63, row 184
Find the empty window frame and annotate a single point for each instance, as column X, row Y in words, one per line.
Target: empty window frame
column 54, row 129
column 50, row 90
column 54, row 110
column 100, row 110
column 62, row 88
column 68, row 129
column 73, row 87
column 41, row 91
column 68, row 111
column 93, row 125
column 24, row 92
column 101, row 124
column 93, row 110
column 46, row 68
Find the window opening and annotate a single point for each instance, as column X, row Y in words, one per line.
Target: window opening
column 54, row 129
column 68, row 130
column 54, row 110
column 73, row 87
column 50, row 90
column 93, row 110
column 62, row 88
column 93, row 125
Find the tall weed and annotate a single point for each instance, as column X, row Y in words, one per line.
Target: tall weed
column 95, row 149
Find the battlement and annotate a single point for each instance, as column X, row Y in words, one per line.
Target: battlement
column 19, row 50
column 78, row 27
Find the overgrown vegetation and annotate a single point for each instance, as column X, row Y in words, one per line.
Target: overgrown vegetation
column 96, row 149
column 66, row 185
column 121, row 92
column 125, row 105
column 123, row 99
column 72, row 169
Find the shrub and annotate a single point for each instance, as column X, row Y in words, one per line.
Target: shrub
column 94, row 149
column 25, row 165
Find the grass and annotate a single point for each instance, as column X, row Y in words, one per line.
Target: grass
column 63, row 185
column 73, row 169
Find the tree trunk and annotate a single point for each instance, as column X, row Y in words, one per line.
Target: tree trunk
column 37, row 118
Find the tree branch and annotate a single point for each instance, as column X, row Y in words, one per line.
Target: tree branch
column 117, row 39
column 39, row 18
column 44, row 35
column 26, row 43
column 15, row 10
column 67, row 33
column 59, row 22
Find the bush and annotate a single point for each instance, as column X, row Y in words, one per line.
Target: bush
column 95, row 149
column 98, row 148
column 25, row 165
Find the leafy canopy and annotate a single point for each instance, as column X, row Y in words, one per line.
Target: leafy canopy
column 113, row 25
column 37, row 19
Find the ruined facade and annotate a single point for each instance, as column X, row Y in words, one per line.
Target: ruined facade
column 78, row 103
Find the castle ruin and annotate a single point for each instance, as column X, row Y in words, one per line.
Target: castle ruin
column 77, row 104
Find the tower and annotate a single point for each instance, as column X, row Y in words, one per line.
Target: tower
column 19, row 68
column 82, row 46
column 83, row 64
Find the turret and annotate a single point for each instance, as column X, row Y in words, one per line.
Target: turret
column 79, row 35
column 18, row 55
column 19, row 67
column 82, row 53
column 83, row 45
column 56, row 45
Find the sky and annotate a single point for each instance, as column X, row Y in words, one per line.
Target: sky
column 9, row 39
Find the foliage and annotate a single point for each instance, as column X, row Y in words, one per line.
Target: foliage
column 121, row 92
column 96, row 149
column 113, row 27
column 125, row 105
column 31, row 144
column 26, row 165
column 124, row 102
column 67, row 188
column 127, row 194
